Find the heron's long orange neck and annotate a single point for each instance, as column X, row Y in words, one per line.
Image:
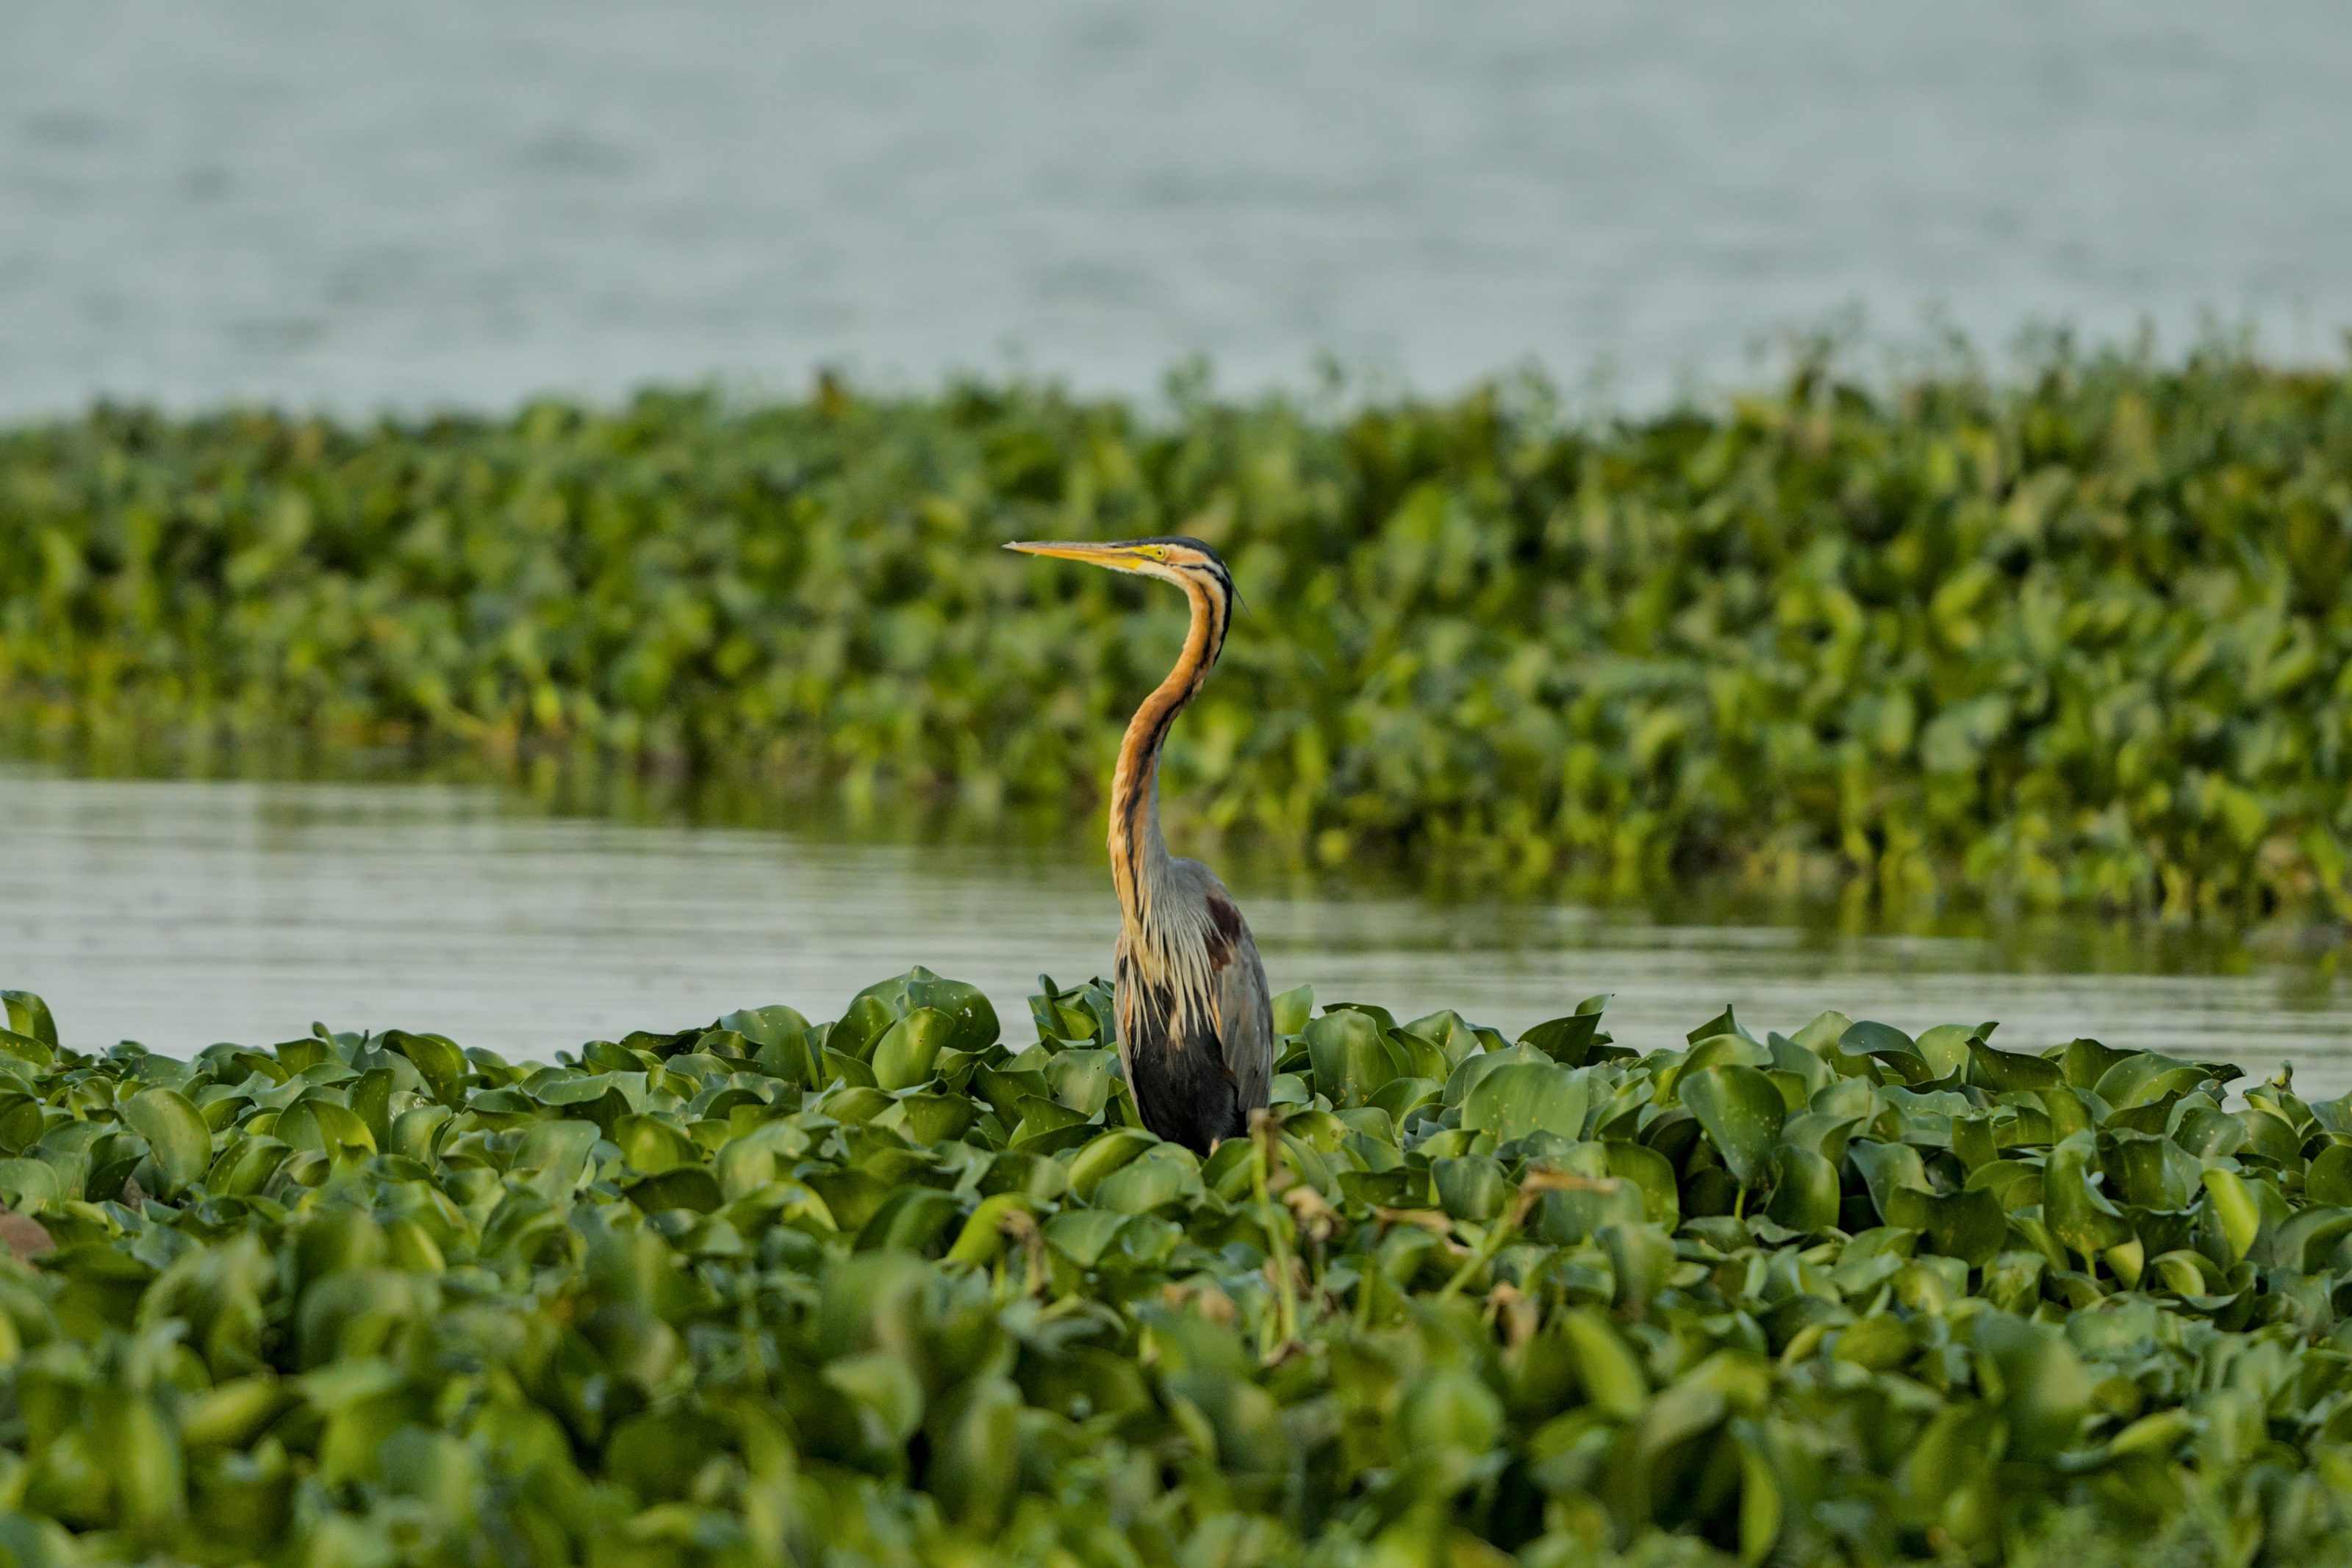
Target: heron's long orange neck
column 1139, row 855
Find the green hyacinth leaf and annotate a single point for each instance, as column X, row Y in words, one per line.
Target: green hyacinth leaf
column 2144, row 1077
column 1570, row 1041
column 1895, row 1052
column 2006, row 1070
column 1351, row 1060
column 1945, row 1048
column 2079, row 1214
column 1741, row 1110
column 1470, row 1187
column 1520, row 1098
column 1969, row 1225
column 903, row 1056
column 1804, row 1190
column 971, row 1017
column 29, row 1016
column 1654, row 1173
column 440, row 1063
column 774, row 1025
column 2329, row 1179
column 974, row 1452
column 2231, row 1200
column 1888, row 1170
column 1105, row 1154
column 180, row 1142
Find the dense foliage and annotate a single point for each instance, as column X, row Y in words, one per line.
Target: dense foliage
column 894, row 1291
column 2080, row 639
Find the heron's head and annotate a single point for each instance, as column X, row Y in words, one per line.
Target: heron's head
column 1175, row 559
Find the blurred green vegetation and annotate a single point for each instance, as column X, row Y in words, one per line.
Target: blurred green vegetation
column 2077, row 638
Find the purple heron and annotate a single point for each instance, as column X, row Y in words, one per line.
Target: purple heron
column 1195, row 1031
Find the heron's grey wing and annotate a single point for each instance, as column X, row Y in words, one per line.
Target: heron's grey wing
column 1245, row 1007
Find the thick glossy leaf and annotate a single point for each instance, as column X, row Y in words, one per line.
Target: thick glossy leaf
column 685, row 1187
column 2085, row 1061
column 1570, row 1041
column 1969, row 1225
column 1741, row 1111
column 2010, row 1070
column 24, row 1050
column 884, row 1388
column 2329, row 1179
column 936, row 1118
column 2079, row 1214
column 29, row 1016
column 775, row 1024
column 1655, row 1174
column 1470, row 1187
column 1804, row 1190
column 1292, row 1008
column 911, row 1219
column 972, row 1017
column 2143, row 1078
column 1142, row 1186
column 1581, row 1212
column 1520, row 1098
column 442, row 1064
column 1888, row 1170
column 2231, row 1200
column 1103, row 1154
column 1452, row 1036
column 1351, row 1060
column 853, row 1036
column 1403, row 1097
column 1723, row 1025
column 653, row 1145
column 1082, row 1080
column 903, row 1056
column 1465, row 1077
column 1890, row 1048
column 557, row 1149
column 1945, row 1048
column 180, row 1142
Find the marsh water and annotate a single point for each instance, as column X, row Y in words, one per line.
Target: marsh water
column 454, row 201
column 182, row 911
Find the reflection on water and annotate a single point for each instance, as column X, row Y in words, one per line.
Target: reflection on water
column 179, row 913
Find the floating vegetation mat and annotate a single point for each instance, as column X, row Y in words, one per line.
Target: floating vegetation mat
column 894, row 1289
column 2086, row 639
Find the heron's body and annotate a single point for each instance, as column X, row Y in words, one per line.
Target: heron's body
column 1195, row 1024
column 1199, row 1047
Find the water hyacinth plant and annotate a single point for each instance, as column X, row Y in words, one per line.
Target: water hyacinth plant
column 2083, row 639
column 896, row 1290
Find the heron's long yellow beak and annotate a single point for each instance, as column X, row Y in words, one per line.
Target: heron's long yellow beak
column 1119, row 558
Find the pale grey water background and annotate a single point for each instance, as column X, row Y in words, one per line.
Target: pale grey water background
column 179, row 913
column 467, row 200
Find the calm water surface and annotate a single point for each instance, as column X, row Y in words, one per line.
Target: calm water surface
column 465, row 201
column 181, row 913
